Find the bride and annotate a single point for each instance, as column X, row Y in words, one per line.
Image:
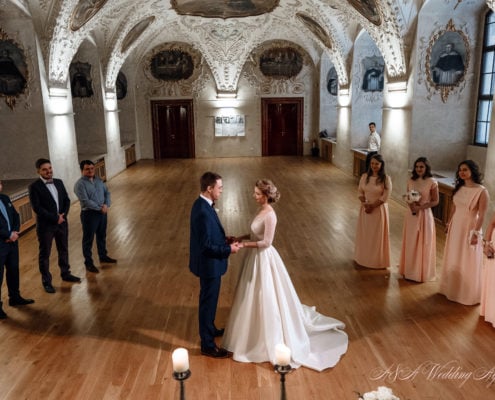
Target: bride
column 267, row 311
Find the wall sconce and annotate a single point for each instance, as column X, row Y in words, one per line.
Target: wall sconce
column 344, row 98
column 400, row 86
column 226, row 95
column 58, row 92
column 62, row 114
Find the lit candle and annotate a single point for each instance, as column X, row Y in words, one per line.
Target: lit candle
column 180, row 360
column 282, row 355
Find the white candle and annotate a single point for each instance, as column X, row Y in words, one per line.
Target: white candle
column 282, row 354
column 180, row 360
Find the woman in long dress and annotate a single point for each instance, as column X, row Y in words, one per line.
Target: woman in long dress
column 418, row 254
column 372, row 247
column 487, row 304
column 267, row 311
column 463, row 255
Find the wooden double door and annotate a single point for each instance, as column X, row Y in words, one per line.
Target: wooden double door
column 282, row 126
column 173, row 129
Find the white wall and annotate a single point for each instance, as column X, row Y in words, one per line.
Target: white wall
column 252, row 87
column 22, row 129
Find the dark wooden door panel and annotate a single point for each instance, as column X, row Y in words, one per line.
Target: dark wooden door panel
column 173, row 134
column 282, row 126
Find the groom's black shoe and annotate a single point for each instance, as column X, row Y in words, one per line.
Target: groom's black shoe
column 215, row 352
column 219, row 332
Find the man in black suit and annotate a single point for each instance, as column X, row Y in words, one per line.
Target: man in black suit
column 9, row 252
column 209, row 252
column 51, row 203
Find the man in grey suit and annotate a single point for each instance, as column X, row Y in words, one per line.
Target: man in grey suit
column 209, row 252
column 51, row 203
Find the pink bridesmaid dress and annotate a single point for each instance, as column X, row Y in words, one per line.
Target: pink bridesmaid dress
column 418, row 254
column 462, row 263
column 487, row 304
column 372, row 247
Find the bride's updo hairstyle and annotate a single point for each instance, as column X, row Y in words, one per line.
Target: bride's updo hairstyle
column 268, row 189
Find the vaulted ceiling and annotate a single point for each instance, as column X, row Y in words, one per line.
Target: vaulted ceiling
column 129, row 29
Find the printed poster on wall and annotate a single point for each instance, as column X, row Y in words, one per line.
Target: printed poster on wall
column 230, row 125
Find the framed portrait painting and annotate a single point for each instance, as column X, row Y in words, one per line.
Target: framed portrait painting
column 447, row 59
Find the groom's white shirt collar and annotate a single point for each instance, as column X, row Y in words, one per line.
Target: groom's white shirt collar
column 210, row 201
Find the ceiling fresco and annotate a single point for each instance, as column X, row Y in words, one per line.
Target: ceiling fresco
column 225, row 32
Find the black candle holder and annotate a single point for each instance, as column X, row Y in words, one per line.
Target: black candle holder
column 181, row 377
column 282, row 370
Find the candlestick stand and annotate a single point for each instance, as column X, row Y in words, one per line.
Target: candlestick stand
column 282, row 370
column 181, row 377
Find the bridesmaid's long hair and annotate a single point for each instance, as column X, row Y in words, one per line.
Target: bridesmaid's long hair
column 427, row 174
column 476, row 175
column 382, row 177
column 267, row 187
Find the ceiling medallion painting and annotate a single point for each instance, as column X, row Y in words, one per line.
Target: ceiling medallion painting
column 316, row 28
column 84, row 11
column 13, row 70
column 333, row 82
column 172, row 65
column 135, row 32
column 374, row 68
column 368, row 9
column 224, row 8
column 81, row 84
column 283, row 62
column 447, row 59
column 121, row 86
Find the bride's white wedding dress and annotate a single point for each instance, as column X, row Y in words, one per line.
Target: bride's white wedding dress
column 266, row 311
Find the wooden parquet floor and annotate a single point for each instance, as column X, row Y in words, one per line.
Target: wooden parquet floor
column 111, row 336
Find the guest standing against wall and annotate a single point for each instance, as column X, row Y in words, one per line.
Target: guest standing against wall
column 372, row 234
column 9, row 252
column 463, row 255
column 94, row 197
column 418, row 254
column 51, row 203
column 374, row 143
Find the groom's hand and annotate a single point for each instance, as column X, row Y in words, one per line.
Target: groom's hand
column 235, row 247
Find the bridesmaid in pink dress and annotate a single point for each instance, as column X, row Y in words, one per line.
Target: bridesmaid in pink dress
column 463, row 255
column 372, row 234
column 418, row 254
column 487, row 308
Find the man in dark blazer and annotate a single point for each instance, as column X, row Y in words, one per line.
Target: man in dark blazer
column 9, row 252
column 51, row 203
column 209, row 252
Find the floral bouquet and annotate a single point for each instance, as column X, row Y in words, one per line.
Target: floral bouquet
column 412, row 196
column 382, row 393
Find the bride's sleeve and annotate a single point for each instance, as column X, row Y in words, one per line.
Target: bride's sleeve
column 269, row 233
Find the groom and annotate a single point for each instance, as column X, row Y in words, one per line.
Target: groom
column 209, row 251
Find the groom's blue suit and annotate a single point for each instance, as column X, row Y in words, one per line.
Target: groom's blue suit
column 208, row 259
